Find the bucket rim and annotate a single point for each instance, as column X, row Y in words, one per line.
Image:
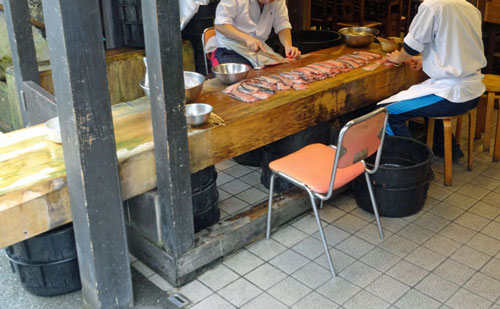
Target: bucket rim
column 427, row 161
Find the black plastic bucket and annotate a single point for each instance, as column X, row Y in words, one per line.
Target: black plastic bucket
column 285, row 146
column 402, row 180
column 308, row 40
column 205, row 195
column 47, row 264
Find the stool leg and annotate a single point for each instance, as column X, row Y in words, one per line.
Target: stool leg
column 430, row 132
column 458, row 131
column 481, row 110
column 487, row 122
column 496, row 149
column 447, row 152
column 472, row 128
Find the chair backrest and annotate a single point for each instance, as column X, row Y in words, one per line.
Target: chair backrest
column 207, row 35
column 361, row 137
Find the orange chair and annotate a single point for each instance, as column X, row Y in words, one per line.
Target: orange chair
column 207, row 35
column 320, row 169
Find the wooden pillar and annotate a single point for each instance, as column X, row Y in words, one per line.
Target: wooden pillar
column 112, row 29
column 22, row 48
column 164, row 56
column 81, row 88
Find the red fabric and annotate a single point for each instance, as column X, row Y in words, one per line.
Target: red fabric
column 211, row 57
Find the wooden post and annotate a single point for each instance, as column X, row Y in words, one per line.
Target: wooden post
column 163, row 49
column 112, row 30
column 22, row 48
column 81, row 87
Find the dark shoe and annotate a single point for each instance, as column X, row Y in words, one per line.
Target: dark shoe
column 456, row 153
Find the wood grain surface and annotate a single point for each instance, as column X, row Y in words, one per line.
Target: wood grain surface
column 33, row 193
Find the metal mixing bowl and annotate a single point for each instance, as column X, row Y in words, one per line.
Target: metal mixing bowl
column 197, row 113
column 193, row 84
column 53, row 130
column 391, row 44
column 358, row 36
column 230, row 73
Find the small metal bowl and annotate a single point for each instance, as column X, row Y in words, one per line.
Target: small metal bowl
column 230, row 73
column 197, row 113
column 53, row 130
column 358, row 36
column 193, row 84
column 391, row 44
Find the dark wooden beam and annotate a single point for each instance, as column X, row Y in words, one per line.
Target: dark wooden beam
column 22, row 47
column 113, row 31
column 163, row 49
column 40, row 103
column 81, row 87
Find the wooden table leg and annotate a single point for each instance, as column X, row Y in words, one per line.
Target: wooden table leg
column 448, row 160
column 481, row 110
column 487, row 122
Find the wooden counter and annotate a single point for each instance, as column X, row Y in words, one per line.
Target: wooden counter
column 33, row 193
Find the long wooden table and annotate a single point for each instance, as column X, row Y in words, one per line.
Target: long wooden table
column 33, row 193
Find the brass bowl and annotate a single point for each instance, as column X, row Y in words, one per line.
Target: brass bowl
column 358, row 36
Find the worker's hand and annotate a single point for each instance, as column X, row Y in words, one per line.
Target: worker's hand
column 394, row 57
column 292, row 52
column 254, row 44
column 415, row 63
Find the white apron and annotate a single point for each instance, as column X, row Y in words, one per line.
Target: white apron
column 463, row 88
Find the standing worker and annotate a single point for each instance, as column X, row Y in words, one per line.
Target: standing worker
column 243, row 26
column 447, row 34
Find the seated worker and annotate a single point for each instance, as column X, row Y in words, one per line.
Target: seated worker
column 447, row 33
column 243, row 26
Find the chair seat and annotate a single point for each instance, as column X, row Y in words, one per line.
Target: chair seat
column 313, row 165
column 492, row 82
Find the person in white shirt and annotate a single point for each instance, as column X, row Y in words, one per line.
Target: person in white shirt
column 243, row 26
column 447, row 34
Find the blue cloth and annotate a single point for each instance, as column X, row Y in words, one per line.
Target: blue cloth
column 224, row 55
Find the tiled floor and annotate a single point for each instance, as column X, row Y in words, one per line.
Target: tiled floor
column 445, row 256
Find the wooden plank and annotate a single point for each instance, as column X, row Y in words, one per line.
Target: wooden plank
column 22, row 47
column 224, row 238
column 80, row 84
column 30, row 162
column 40, row 103
column 163, row 47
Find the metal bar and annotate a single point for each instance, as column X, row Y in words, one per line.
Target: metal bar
column 22, row 47
column 164, row 56
column 40, row 103
column 81, row 87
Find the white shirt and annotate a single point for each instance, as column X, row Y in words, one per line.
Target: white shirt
column 448, row 34
column 246, row 16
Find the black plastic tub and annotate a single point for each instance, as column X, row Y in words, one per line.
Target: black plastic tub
column 402, row 180
column 309, row 40
column 47, row 264
column 205, row 196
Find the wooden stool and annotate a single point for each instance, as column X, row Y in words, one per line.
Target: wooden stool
column 485, row 110
column 447, row 140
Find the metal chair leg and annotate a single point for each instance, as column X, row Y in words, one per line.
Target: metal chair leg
column 270, row 206
column 321, row 204
column 374, row 205
column 320, row 228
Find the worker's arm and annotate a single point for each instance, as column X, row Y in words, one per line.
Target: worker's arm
column 285, row 36
column 231, row 32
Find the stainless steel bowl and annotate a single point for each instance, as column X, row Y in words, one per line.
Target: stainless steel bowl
column 197, row 113
column 53, row 130
column 230, row 73
column 193, row 84
column 358, row 36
